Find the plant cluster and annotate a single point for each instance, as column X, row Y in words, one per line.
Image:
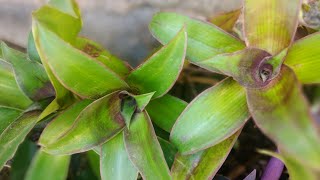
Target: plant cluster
column 89, row 101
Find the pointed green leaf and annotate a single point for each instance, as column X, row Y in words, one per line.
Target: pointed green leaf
column 227, row 20
column 204, row 40
column 115, row 163
column 304, row 58
column 162, row 69
column 7, row 116
column 143, row 100
column 64, row 25
column 165, row 111
column 128, row 107
column 270, row 24
column 169, row 151
column 32, row 50
column 203, row 164
column 30, row 75
column 96, row 124
column 282, row 113
column 62, row 123
column 10, row 93
column 22, row 160
column 74, row 69
column 49, row 167
column 96, row 51
column 14, row 135
column 66, row 6
column 144, row 149
column 94, row 161
column 210, row 118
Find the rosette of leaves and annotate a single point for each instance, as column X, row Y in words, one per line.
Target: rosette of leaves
column 96, row 101
column 266, row 74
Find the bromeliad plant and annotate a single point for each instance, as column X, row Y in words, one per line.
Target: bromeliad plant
column 90, row 101
column 267, row 71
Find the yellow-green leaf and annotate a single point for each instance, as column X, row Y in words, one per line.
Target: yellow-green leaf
column 96, row 124
column 161, row 70
column 211, row 117
column 304, row 58
column 77, row 71
column 204, row 40
column 226, row 20
column 203, row 164
column 270, row 24
column 49, row 167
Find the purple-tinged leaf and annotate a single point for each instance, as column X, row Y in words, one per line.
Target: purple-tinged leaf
column 252, row 175
column 282, row 113
column 270, row 24
column 96, row 124
column 273, row 169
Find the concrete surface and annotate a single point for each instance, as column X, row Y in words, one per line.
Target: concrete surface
column 120, row 25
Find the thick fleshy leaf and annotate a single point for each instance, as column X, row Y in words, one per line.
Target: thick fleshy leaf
column 22, row 160
column 252, row 176
column 10, row 93
column 282, row 113
column 14, row 135
column 165, row 111
column 62, row 123
column 203, row 164
column 94, row 161
column 304, row 58
column 96, row 124
column 114, row 162
column 143, row 100
column 32, row 50
column 144, row 149
column 169, row 151
column 77, row 71
column 204, row 40
column 270, row 24
column 69, row 7
column 161, row 70
column 213, row 116
column 96, row 51
column 226, row 20
column 49, row 167
column 7, row 116
column 30, row 75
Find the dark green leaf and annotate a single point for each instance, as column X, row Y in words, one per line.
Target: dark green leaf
column 7, row 116
column 210, row 118
column 161, row 70
column 94, row 161
column 32, row 50
column 169, row 151
column 30, row 75
column 144, row 149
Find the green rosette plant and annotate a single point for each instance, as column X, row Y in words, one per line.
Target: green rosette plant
column 90, row 100
column 266, row 72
